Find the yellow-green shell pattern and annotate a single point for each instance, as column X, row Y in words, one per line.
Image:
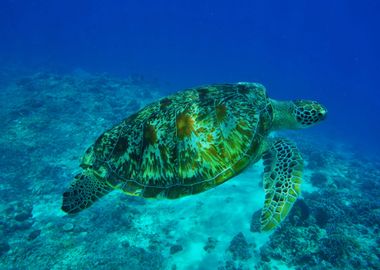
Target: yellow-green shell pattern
column 185, row 143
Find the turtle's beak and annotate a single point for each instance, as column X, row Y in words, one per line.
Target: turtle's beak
column 323, row 113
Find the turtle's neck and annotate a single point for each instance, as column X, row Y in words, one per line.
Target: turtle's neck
column 283, row 117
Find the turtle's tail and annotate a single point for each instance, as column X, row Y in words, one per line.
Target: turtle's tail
column 83, row 192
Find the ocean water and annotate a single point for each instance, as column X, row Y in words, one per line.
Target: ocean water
column 69, row 70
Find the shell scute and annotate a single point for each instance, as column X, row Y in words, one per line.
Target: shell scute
column 188, row 142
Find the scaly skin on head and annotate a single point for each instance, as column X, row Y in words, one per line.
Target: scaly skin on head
column 297, row 114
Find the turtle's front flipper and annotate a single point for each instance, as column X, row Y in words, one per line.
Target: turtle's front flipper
column 83, row 192
column 282, row 178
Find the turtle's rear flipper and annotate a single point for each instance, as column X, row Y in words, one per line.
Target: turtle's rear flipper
column 83, row 192
column 282, row 178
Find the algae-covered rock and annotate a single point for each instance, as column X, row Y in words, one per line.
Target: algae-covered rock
column 299, row 214
column 175, row 249
column 34, row 234
column 211, row 244
column 255, row 222
column 23, row 216
column 239, row 247
column 4, row 247
column 141, row 259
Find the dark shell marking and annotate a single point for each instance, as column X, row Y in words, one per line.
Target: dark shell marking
column 185, row 143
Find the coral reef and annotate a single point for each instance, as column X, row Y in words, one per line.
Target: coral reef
column 211, row 244
column 318, row 179
column 239, row 247
column 339, row 224
column 255, row 222
column 48, row 120
column 4, row 247
column 175, row 248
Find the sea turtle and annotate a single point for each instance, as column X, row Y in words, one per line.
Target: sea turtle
column 195, row 140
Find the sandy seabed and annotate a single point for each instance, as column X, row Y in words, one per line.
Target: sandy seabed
column 48, row 121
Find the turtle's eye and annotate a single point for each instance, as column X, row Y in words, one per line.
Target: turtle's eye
column 309, row 112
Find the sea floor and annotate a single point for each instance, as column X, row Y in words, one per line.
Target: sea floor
column 48, row 121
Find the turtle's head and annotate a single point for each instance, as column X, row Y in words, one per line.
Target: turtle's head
column 297, row 114
column 308, row 113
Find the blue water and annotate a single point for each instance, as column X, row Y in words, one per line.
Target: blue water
column 322, row 50
column 326, row 49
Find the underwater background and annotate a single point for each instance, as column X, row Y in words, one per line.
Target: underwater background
column 69, row 70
